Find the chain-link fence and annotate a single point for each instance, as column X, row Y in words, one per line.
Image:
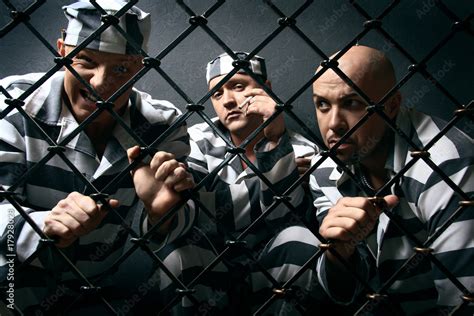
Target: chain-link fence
column 200, row 20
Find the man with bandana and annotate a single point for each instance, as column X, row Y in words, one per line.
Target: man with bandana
column 280, row 244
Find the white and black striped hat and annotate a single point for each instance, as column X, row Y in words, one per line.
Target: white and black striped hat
column 222, row 65
column 84, row 19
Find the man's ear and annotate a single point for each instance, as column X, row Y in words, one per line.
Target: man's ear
column 393, row 106
column 268, row 83
column 61, row 47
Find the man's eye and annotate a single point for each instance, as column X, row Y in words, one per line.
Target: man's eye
column 83, row 58
column 121, row 69
column 239, row 87
column 354, row 103
column 216, row 95
column 321, row 105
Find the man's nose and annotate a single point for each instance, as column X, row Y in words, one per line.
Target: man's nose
column 228, row 99
column 337, row 121
column 100, row 81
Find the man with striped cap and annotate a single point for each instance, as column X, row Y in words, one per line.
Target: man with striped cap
column 91, row 236
column 279, row 244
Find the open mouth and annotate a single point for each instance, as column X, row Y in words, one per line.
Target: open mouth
column 88, row 96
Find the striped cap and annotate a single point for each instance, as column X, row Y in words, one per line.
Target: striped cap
column 84, row 19
column 222, row 65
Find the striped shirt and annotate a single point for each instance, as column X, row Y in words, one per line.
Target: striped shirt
column 22, row 147
column 426, row 202
column 236, row 197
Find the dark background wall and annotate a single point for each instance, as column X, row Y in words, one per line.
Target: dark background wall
column 243, row 24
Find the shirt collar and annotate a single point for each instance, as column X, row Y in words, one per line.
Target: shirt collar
column 398, row 153
column 45, row 103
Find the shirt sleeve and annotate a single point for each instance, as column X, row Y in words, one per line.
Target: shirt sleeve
column 19, row 240
column 360, row 260
column 454, row 247
column 278, row 165
column 177, row 143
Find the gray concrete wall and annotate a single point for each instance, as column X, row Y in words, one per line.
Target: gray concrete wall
column 243, row 24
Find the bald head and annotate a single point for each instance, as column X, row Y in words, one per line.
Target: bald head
column 364, row 66
column 339, row 107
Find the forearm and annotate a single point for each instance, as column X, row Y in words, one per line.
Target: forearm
column 278, row 165
column 19, row 238
column 173, row 228
column 454, row 247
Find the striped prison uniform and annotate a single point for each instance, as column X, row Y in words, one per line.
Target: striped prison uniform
column 236, row 197
column 43, row 282
column 426, row 202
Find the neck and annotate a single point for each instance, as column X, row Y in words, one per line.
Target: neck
column 101, row 129
column 375, row 180
column 99, row 134
column 373, row 166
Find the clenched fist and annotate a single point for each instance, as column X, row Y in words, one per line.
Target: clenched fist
column 159, row 183
column 350, row 221
column 73, row 217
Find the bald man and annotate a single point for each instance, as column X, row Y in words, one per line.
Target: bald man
column 420, row 199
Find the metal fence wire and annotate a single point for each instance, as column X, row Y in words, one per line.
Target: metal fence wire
column 198, row 20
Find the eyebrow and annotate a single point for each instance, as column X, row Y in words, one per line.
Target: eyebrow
column 231, row 81
column 350, row 95
column 239, row 80
column 94, row 54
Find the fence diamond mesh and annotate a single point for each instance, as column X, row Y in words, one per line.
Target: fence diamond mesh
column 194, row 110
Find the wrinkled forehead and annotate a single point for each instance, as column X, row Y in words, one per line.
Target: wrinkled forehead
column 331, row 80
column 332, row 89
column 356, row 72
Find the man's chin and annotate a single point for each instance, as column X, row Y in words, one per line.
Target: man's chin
column 237, row 127
column 348, row 159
